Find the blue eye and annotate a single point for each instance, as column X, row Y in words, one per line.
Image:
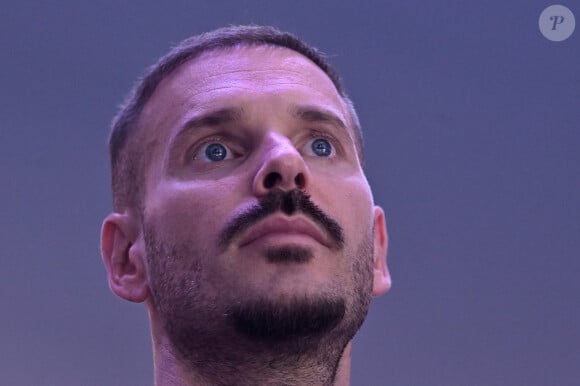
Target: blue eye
column 216, row 152
column 321, row 147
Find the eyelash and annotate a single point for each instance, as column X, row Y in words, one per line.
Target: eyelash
column 194, row 152
column 315, row 134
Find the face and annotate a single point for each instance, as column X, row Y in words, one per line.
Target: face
column 254, row 192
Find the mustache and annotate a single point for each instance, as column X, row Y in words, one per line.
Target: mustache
column 288, row 202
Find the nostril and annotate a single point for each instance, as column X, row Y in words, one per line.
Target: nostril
column 299, row 181
column 271, row 180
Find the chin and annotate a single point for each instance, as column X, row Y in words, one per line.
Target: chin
column 287, row 316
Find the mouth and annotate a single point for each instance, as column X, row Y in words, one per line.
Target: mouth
column 284, row 228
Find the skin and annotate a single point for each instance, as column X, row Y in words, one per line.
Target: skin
column 189, row 200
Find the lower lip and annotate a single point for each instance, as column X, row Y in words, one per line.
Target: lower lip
column 282, row 238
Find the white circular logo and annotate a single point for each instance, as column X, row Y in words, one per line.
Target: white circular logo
column 557, row 23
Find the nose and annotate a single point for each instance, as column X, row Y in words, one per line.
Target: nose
column 283, row 167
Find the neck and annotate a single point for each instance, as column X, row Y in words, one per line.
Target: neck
column 251, row 369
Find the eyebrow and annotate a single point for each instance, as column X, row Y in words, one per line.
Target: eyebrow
column 213, row 118
column 227, row 115
column 313, row 114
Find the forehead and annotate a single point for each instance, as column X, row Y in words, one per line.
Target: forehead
column 238, row 75
column 261, row 68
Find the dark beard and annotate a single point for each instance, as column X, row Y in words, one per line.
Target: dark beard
column 262, row 340
column 289, row 255
column 276, row 322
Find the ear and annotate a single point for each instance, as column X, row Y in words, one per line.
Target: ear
column 382, row 278
column 122, row 248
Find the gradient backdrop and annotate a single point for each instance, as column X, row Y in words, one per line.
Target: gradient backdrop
column 472, row 122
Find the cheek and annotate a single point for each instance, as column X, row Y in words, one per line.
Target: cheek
column 352, row 206
column 189, row 212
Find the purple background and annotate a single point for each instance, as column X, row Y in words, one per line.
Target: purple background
column 472, row 122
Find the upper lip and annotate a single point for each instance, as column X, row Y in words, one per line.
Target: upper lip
column 284, row 225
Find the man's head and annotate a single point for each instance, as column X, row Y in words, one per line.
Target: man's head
column 252, row 232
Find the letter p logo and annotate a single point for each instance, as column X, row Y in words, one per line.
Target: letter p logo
column 557, row 23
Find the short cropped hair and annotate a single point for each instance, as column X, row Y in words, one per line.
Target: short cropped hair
column 128, row 157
